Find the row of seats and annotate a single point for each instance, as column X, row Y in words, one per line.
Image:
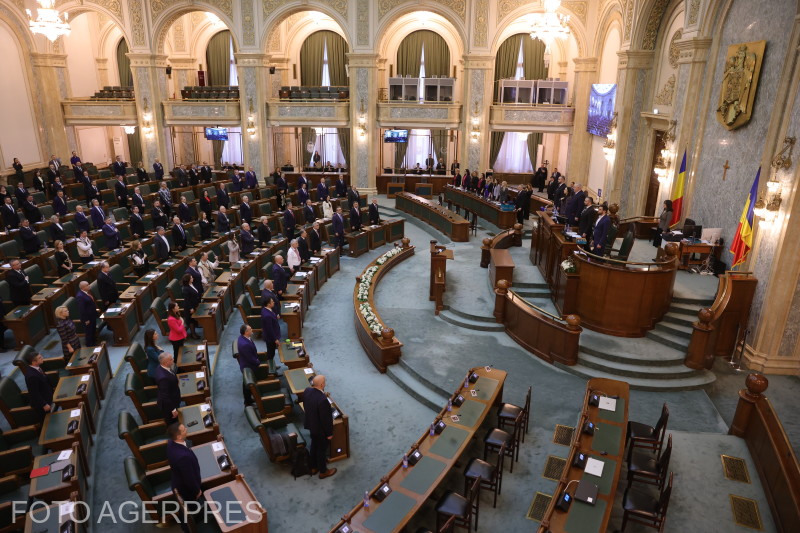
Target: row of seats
column 114, row 93
column 212, row 92
column 314, row 93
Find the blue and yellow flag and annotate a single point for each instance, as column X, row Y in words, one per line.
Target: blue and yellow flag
column 743, row 241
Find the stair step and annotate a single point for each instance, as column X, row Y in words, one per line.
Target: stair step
column 415, row 388
column 540, row 286
column 659, row 356
column 692, row 301
column 675, row 371
column 667, row 339
column 679, row 319
column 685, row 309
column 424, row 380
column 675, row 329
column 696, row 381
column 462, row 314
column 467, row 323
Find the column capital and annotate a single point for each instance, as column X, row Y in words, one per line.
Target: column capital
column 478, row 61
column 252, row 59
column 187, row 63
column 635, row 59
column 694, row 50
column 48, row 60
column 586, row 64
column 356, row 59
column 147, row 60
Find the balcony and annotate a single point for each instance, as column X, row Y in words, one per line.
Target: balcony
column 316, row 113
column 93, row 112
column 411, row 115
column 202, row 113
column 527, row 117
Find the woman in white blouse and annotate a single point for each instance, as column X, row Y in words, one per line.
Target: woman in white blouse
column 85, row 251
column 293, row 257
column 233, row 248
column 206, row 268
column 327, row 209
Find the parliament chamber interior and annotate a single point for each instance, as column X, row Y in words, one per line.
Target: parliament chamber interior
column 401, row 266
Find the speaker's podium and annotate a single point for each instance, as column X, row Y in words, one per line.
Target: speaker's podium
column 438, row 281
column 396, row 185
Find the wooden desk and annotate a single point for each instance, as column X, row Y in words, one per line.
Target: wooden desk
column 123, row 321
column 438, row 278
column 211, row 475
column 409, row 182
column 490, row 211
column 54, row 435
column 331, row 256
column 28, row 324
column 221, row 294
column 609, row 439
column 73, row 390
column 501, row 266
column 50, row 520
column 210, row 320
column 376, row 235
column 453, row 225
column 95, row 361
column 357, row 243
column 307, row 281
column 395, row 229
column 687, row 251
column 189, row 385
column 50, row 298
column 192, row 357
column 237, row 508
column 140, row 296
column 412, row 487
column 299, row 379
column 192, row 417
column 549, row 248
column 340, row 441
column 289, row 353
column 51, row 487
column 293, row 318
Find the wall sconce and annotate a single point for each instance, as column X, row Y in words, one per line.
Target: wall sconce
column 767, row 209
column 664, row 161
column 362, row 120
column 129, row 130
column 251, row 121
column 475, row 132
column 147, row 120
column 610, row 146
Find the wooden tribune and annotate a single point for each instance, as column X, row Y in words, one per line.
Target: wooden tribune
column 382, row 348
column 438, row 281
column 454, row 226
column 483, row 208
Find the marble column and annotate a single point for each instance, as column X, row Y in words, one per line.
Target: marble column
column 580, row 147
column 631, row 79
column 102, row 70
column 475, row 112
column 50, row 87
column 281, row 144
column 150, row 89
column 253, row 69
column 184, row 73
column 363, row 110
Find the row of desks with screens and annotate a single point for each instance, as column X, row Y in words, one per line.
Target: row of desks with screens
column 485, row 209
column 454, row 226
column 409, row 488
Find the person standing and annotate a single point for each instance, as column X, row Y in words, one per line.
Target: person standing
column 19, row 284
column 587, row 218
column 177, row 329
column 107, row 286
column 66, row 330
column 338, row 227
column 293, row 258
column 601, row 227
column 84, row 244
column 184, row 470
column 169, row 393
column 40, row 391
column 264, row 232
column 374, row 215
column 289, row 221
column 233, row 248
column 248, row 358
column 319, row 422
column 119, row 167
column 663, row 222
column 87, row 309
column 280, row 277
column 270, row 329
column 248, row 241
column 314, row 239
column 191, row 300
column 355, row 217
column 152, row 350
column 121, row 191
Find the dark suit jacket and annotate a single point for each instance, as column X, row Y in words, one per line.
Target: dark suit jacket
column 600, row 233
column 322, row 191
column 138, row 201
column 264, row 234
column 279, row 278
column 30, row 241
column 587, row 219
column 205, row 228
column 319, row 415
column 162, row 252
column 197, row 279
column 31, row 212
column 40, row 391
column 119, row 168
column 309, row 215
column 184, row 470
column 302, row 245
column 352, row 196
column 21, row 194
column 141, row 175
column 166, row 200
column 338, row 224
column 355, row 219
column 574, row 207
column 108, row 288
column 121, row 192
column 158, row 168
column 341, row 188
column 169, row 393
column 236, row 181
column 98, row 216
column 194, row 177
column 112, row 237
column 19, row 287
column 159, row 218
column 81, row 222
column 87, row 310
column 180, row 175
column 223, row 224
column 184, row 213
column 10, row 216
column 179, row 238
column 248, row 242
column 374, row 216
column 267, row 294
column 250, row 180
column 300, row 181
column 57, row 233
column 288, row 220
column 302, row 196
column 136, row 224
column 248, row 354
column 270, row 329
column 314, row 241
column 59, row 206
column 90, row 192
column 245, row 212
column 205, row 205
column 191, row 299
column 223, row 198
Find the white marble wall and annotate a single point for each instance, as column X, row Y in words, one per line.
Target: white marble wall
column 627, row 194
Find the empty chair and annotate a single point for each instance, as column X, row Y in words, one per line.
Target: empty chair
column 152, row 485
column 137, row 358
column 148, row 443
column 270, row 399
column 15, row 405
column 460, row 508
column 642, row 508
column 508, row 412
column 498, row 439
column 143, row 398
column 16, row 453
column 249, row 315
column 278, row 437
column 643, row 436
column 490, row 475
column 645, row 468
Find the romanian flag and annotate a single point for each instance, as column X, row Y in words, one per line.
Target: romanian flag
column 743, row 241
column 677, row 193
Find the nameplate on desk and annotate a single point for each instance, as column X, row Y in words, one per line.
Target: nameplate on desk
column 594, row 467
column 97, row 350
column 85, row 377
column 64, row 455
column 66, row 508
column 308, row 370
column 201, row 348
column 608, row 404
column 75, row 413
column 112, row 309
column 199, row 374
column 204, row 407
column 217, row 446
column 93, row 263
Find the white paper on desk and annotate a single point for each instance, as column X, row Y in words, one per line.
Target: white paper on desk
column 66, row 509
column 201, row 348
column 93, row 263
column 199, row 375
column 85, row 377
column 301, row 274
column 677, row 232
column 308, row 370
column 204, row 407
column 217, row 446
column 609, row 404
column 97, row 350
column 75, row 413
column 6, row 265
column 113, row 310
column 66, row 454
column 594, row 467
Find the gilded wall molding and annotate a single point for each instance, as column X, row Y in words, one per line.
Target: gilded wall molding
column 653, row 23
column 226, row 6
column 248, row 23
column 113, row 6
column 480, row 37
column 673, row 48
column 270, row 6
column 578, row 9
column 384, row 6
column 694, row 12
column 178, row 36
column 275, row 41
column 665, row 95
column 507, row 6
column 159, row 6
column 458, row 6
column 338, row 5
column 137, row 22
column 628, row 19
column 362, row 22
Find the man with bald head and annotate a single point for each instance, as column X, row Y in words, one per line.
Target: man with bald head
column 87, row 309
column 319, row 422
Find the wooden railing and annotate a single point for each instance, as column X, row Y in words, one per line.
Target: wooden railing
column 758, row 424
column 720, row 327
column 382, row 348
column 504, row 239
column 438, row 279
column 454, row 226
column 642, row 226
column 545, row 335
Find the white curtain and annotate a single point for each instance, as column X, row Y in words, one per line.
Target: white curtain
column 234, row 74
column 327, row 143
column 520, row 73
column 232, row 149
column 513, row 156
column 419, row 141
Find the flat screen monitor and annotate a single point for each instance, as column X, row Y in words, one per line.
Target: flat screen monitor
column 711, row 235
column 217, row 134
column 395, row 136
column 698, row 232
column 602, row 100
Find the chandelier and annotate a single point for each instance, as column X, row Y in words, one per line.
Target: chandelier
column 549, row 26
column 48, row 21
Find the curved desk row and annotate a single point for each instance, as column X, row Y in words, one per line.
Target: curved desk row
column 485, row 209
column 454, row 226
column 382, row 348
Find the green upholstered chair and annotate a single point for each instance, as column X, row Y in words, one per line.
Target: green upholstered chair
column 175, row 291
column 611, row 238
column 249, row 315
column 152, row 486
column 270, row 399
column 137, row 358
column 278, row 431
column 252, row 288
column 15, row 405
column 625, row 248
column 267, row 368
column 16, row 455
column 53, row 367
column 10, row 250
column 148, row 442
column 159, row 310
column 143, row 398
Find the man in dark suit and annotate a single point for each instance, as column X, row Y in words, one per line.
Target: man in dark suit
column 575, row 206
column 191, row 301
column 302, row 246
column 302, row 180
column 222, row 197
column 119, row 166
column 303, row 195
column 121, row 192
column 10, row 216
column 136, row 223
column 197, row 277
column 57, row 232
column 81, row 222
column 87, row 310
column 281, row 185
column 308, row 212
column 77, row 172
column 223, row 223
column 161, row 244
column 30, row 241
column 21, row 193
column 539, row 178
column 179, row 236
column 205, row 173
column 158, row 215
column 250, row 180
column 374, row 215
column 352, row 196
column 236, row 181
column 184, row 213
column 248, row 241
column 338, row 227
column 270, row 329
column 429, row 162
column 91, row 192
column 31, row 210
column 341, row 188
column 181, row 176
column 601, row 227
column 322, row 190
column 168, row 398
column 184, row 472
column 318, row 422
column 113, row 240
column 40, row 391
column 109, row 295
column 138, row 199
column 245, row 211
column 19, row 284
column 98, row 214
column 314, row 239
column 268, row 293
column 280, row 277
column 60, row 204
column 248, row 358
column 205, row 205
column 355, row 217
column 194, row 175
column 264, row 232
column 454, row 167
column 289, row 222
column 158, row 169
column 586, row 223
column 558, row 196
